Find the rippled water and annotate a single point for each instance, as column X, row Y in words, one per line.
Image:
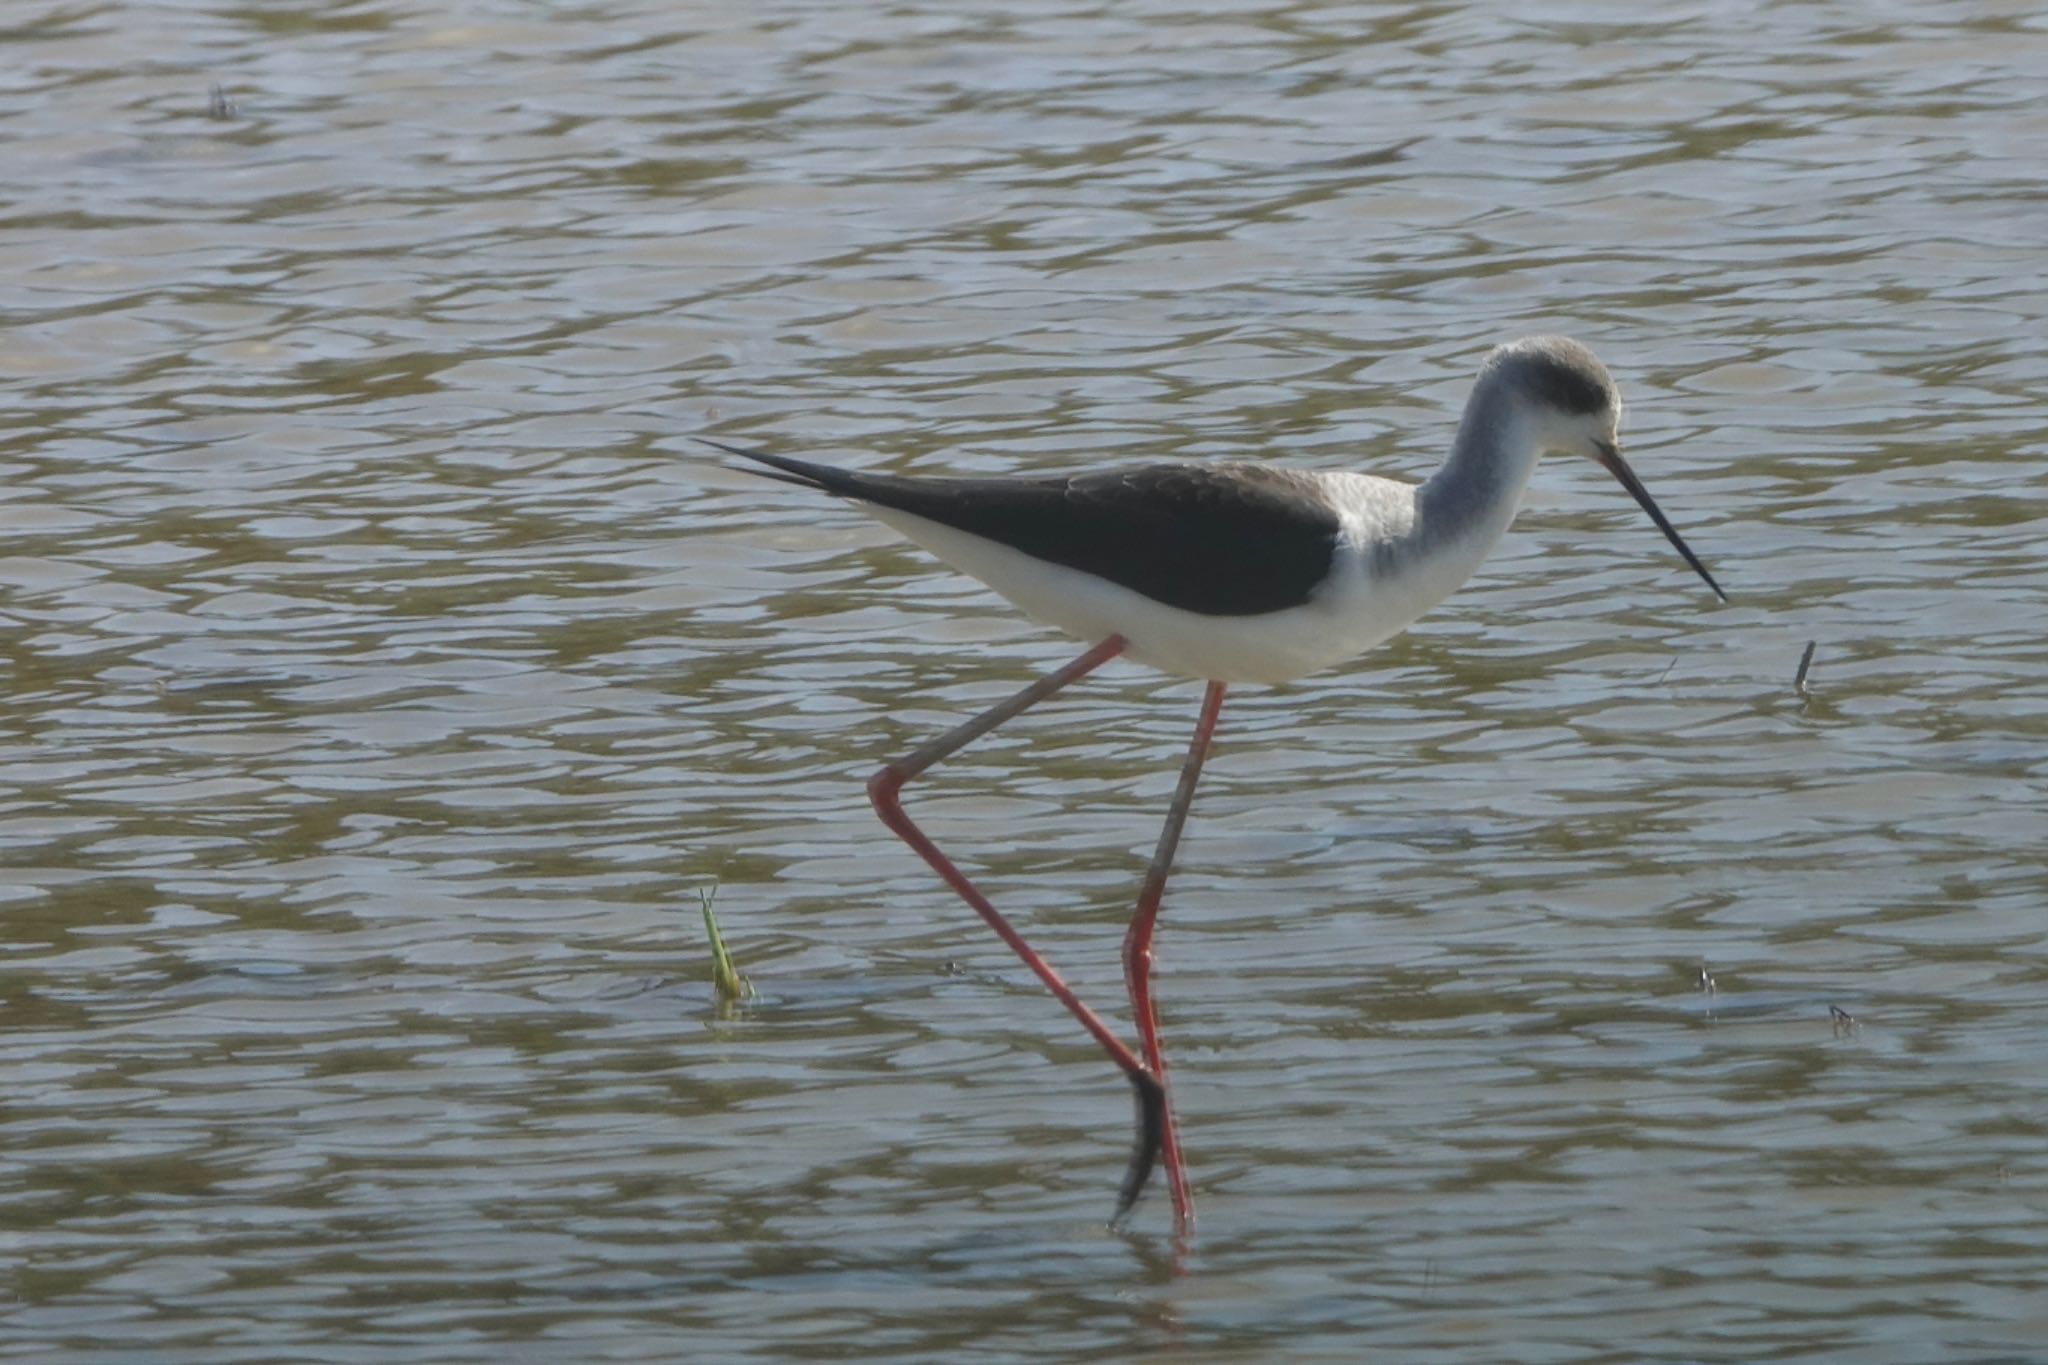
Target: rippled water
column 386, row 674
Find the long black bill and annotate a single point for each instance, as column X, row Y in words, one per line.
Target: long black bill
column 1610, row 456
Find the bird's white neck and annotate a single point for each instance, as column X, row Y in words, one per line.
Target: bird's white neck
column 1469, row 501
column 1417, row 556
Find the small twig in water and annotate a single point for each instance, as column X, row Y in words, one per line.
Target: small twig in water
column 732, row 987
column 1805, row 665
column 1844, row 1022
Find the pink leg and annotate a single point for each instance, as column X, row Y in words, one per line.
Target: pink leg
column 1138, row 947
column 885, row 790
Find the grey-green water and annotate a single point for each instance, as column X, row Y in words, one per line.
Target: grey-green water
column 384, row 674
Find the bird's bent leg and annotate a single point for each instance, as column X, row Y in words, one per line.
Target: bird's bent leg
column 885, row 790
column 1138, row 946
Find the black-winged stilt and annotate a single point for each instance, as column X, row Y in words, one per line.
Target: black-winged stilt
column 1228, row 573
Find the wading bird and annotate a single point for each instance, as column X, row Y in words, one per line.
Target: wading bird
column 1228, row 573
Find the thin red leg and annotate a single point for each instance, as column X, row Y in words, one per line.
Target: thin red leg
column 885, row 790
column 1138, row 947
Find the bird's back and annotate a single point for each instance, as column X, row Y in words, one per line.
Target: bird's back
column 1215, row 539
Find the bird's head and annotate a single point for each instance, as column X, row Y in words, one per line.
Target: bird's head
column 1566, row 393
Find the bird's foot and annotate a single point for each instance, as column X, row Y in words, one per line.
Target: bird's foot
column 1151, row 1097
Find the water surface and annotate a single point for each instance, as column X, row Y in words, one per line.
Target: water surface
column 386, row 673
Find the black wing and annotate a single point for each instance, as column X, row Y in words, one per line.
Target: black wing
column 1222, row 540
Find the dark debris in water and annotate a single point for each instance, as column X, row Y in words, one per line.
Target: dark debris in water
column 1805, row 667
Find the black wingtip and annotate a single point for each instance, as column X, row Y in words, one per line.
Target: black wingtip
column 780, row 468
column 729, row 449
column 1151, row 1097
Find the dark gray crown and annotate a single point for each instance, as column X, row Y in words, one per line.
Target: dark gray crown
column 1557, row 372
